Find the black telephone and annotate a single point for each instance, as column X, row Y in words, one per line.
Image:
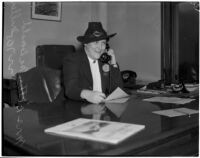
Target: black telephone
column 105, row 58
column 128, row 76
column 129, row 79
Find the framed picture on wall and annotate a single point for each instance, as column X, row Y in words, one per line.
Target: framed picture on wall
column 46, row 11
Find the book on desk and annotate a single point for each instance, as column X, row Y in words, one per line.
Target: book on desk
column 96, row 130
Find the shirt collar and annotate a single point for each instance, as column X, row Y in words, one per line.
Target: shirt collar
column 91, row 60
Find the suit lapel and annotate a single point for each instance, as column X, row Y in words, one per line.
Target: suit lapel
column 86, row 68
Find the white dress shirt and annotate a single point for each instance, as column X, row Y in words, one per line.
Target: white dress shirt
column 96, row 76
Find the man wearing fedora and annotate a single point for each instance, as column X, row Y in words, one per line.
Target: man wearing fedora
column 85, row 76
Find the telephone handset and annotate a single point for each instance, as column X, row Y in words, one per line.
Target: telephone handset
column 105, row 58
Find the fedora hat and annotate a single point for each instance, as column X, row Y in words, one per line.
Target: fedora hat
column 94, row 32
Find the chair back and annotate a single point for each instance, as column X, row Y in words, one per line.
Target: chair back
column 38, row 85
column 52, row 55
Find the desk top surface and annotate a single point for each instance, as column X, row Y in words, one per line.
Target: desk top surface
column 24, row 126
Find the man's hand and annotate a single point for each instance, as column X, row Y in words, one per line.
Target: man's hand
column 93, row 96
column 112, row 54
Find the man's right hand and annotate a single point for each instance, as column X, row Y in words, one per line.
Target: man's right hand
column 93, row 96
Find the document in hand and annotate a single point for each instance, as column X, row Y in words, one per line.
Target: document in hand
column 96, row 130
column 116, row 108
column 117, row 96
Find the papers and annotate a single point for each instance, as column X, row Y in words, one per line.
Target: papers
column 117, row 96
column 114, row 102
column 174, row 100
column 120, row 100
column 116, row 108
column 150, row 91
column 96, row 130
column 176, row 112
column 191, row 87
column 147, row 91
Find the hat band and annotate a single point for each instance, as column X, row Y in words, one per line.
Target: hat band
column 93, row 39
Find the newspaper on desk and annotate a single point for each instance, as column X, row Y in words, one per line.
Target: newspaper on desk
column 96, row 130
column 174, row 100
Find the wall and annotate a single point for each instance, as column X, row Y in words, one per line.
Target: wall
column 22, row 34
column 137, row 44
column 139, row 37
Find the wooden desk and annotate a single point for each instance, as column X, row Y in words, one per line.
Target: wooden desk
column 23, row 131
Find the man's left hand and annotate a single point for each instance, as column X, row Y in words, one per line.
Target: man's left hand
column 112, row 54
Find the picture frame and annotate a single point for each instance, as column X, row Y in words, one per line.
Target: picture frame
column 46, row 11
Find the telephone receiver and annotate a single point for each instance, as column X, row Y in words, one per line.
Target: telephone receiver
column 105, row 58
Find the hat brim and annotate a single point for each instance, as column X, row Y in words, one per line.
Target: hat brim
column 85, row 39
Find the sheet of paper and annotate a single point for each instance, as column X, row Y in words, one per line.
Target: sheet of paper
column 174, row 100
column 192, row 87
column 187, row 111
column 116, row 108
column 169, row 113
column 120, row 100
column 117, row 94
column 176, row 112
column 150, row 91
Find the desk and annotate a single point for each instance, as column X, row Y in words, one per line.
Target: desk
column 23, row 131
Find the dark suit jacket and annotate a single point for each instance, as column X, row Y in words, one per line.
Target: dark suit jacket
column 77, row 75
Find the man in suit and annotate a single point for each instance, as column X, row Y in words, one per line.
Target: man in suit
column 85, row 76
